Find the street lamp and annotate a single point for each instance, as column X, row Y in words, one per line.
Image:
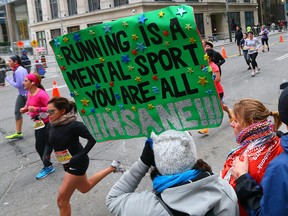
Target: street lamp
column 7, row 13
column 228, row 20
column 60, row 17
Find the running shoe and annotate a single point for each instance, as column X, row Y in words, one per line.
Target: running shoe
column 249, row 68
column 119, row 167
column 204, row 131
column 253, row 73
column 15, row 136
column 45, row 171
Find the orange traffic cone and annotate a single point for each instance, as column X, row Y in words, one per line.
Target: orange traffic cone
column 223, row 52
column 55, row 90
column 281, row 38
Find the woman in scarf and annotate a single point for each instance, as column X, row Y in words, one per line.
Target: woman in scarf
column 63, row 135
column 256, row 137
column 36, row 105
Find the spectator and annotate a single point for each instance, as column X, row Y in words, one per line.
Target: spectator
column 238, row 38
column 26, row 61
column 2, row 71
column 257, row 139
column 183, row 185
column 270, row 198
column 273, row 27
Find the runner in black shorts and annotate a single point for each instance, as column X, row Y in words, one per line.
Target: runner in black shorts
column 63, row 135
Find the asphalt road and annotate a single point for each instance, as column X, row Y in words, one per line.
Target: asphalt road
column 22, row 194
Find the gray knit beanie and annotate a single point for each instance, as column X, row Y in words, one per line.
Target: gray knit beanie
column 174, row 151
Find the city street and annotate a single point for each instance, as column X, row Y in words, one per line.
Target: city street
column 21, row 194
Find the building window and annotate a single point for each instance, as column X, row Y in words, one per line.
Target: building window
column 192, row 0
column 73, row 29
column 120, row 2
column 234, row 20
column 72, row 7
column 94, row 5
column 54, row 9
column 93, row 24
column 200, row 23
column 249, row 18
column 55, row 33
column 40, row 36
column 247, row 1
column 231, row 0
column 38, row 9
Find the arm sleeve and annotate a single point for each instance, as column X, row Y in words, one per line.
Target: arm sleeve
column 44, row 98
column 275, row 188
column 249, row 193
column 19, row 76
column 221, row 60
column 122, row 198
column 83, row 132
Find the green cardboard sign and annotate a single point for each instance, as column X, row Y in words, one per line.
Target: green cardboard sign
column 139, row 74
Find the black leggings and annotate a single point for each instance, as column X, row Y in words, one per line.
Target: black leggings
column 42, row 147
column 264, row 40
column 253, row 59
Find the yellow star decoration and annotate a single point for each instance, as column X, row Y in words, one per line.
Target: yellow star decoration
column 91, row 32
column 166, row 43
column 102, row 60
column 192, row 40
column 85, row 102
column 124, row 24
column 188, row 26
column 108, row 110
column 150, row 106
column 206, row 57
column 133, row 108
column 134, row 37
column 76, row 93
column 190, row 70
column 138, row 79
column 59, row 57
column 202, row 80
column 65, row 39
column 161, row 14
column 130, row 68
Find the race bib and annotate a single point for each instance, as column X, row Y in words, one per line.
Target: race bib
column 38, row 124
column 252, row 48
column 63, row 157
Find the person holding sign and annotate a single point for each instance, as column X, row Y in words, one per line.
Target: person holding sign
column 252, row 44
column 36, row 105
column 63, row 135
column 19, row 73
column 180, row 181
column 257, row 139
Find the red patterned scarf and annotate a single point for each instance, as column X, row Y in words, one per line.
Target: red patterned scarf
column 261, row 144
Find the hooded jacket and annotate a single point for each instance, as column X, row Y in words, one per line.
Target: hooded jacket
column 274, row 198
column 195, row 198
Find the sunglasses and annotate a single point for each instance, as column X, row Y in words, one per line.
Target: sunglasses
column 51, row 111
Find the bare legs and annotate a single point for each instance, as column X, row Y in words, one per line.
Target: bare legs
column 81, row 183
